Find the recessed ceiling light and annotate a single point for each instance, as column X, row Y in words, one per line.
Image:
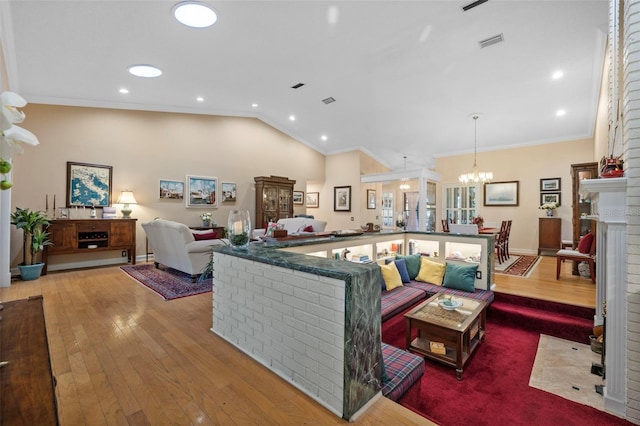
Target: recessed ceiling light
column 324, row 137
column 124, row 91
column 558, row 74
column 561, row 113
column 194, row 14
column 254, row 105
column 147, row 71
column 292, row 117
column 200, row 99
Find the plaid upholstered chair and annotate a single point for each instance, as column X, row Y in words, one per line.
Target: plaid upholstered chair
column 585, row 252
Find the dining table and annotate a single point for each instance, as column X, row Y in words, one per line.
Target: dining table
column 488, row 231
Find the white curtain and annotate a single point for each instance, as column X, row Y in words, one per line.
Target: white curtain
column 412, row 220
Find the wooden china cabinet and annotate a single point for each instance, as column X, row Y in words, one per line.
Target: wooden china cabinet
column 581, row 205
column 274, row 199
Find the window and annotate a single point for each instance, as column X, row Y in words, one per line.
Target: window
column 460, row 203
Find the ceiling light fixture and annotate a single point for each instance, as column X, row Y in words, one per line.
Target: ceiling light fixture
column 405, row 181
column 124, row 91
column 194, row 14
column 146, row 71
column 475, row 176
column 558, row 74
column 324, row 137
column 254, row 105
column 292, row 117
column 561, row 113
column 200, row 99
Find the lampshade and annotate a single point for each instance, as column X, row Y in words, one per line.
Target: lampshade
column 126, row 197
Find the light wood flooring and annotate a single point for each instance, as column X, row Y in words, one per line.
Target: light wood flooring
column 124, row 356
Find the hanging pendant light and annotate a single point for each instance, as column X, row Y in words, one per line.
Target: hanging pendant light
column 405, row 181
column 475, row 176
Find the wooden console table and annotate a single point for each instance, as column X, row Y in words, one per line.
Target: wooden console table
column 549, row 234
column 26, row 382
column 71, row 236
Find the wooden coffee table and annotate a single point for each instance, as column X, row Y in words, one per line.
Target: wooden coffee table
column 447, row 336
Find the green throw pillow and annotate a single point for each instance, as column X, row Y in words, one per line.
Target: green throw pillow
column 413, row 264
column 460, row 277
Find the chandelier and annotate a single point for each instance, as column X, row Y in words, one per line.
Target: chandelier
column 475, row 176
column 405, row 181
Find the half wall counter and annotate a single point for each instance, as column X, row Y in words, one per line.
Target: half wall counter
column 315, row 322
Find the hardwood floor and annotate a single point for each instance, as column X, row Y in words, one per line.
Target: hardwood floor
column 122, row 355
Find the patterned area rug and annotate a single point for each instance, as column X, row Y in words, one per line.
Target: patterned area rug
column 167, row 282
column 518, row 265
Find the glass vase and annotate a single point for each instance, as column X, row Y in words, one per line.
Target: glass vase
column 549, row 213
column 239, row 228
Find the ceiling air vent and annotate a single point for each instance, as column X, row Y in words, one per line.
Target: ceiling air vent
column 473, row 4
column 297, row 86
column 328, row 100
column 491, row 40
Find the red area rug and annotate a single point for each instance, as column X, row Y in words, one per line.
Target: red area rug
column 521, row 267
column 168, row 283
column 495, row 385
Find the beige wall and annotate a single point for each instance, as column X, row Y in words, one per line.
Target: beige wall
column 144, row 147
column 527, row 165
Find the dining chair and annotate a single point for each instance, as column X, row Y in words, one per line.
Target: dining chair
column 585, row 252
column 506, row 239
column 445, row 225
column 500, row 243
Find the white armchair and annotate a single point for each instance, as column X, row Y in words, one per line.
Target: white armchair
column 175, row 246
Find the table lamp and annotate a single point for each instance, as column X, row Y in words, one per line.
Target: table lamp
column 126, row 198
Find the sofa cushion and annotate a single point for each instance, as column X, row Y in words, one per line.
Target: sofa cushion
column 403, row 369
column 413, row 264
column 430, row 271
column 402, row 269
column 399, row 299
column 431, row 289
column 391, row 276
column 460, row 277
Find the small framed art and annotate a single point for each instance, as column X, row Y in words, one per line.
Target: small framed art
column 550, row 184
column 550, row 197
column 342, row 198
column 313, row 200
column 371, row 199
column 298, row 197
column 228, row 192
column 171, row 189
column 202, row 191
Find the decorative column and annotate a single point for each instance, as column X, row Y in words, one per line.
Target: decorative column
column 609, row 206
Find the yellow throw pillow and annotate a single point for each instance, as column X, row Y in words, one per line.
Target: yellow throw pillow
column 391, row 276
column 430, row 271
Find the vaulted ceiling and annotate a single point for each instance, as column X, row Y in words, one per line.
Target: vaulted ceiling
column 406, row 76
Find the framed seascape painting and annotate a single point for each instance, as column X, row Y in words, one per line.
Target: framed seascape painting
column 501, row 193
column 228, row 192
column 202, row 191
column 551, row 184
column 342, row 198
column 88, row 184
column 171, row 189
column 298, row 197
column 313, row 200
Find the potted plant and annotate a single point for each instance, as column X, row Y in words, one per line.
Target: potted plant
column 34, row 225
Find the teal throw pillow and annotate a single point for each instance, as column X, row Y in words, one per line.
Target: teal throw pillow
column 460, row 277
column 401, row 264
column 413, row 264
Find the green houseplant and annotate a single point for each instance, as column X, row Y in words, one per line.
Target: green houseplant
column 33, row 224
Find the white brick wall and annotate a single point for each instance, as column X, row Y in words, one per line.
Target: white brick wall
column 290, row 321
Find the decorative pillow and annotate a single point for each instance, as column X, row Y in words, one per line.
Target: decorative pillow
column 430, row 271
column 460, row 277
column 271, row 226
column 391, row 276
column 401, row 264
column 584, row 246
column 308, row 228
column 413, row 264
column 206, row 236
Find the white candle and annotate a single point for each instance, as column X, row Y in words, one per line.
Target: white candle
column 237, row 228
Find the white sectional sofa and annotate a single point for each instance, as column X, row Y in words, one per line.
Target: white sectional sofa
column 174, row 246
column 294, row 226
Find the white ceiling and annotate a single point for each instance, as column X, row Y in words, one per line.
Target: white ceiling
column 406, row 75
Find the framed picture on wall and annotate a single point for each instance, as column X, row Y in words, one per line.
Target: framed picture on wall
column 88, row 184
column 171, row 189
column 342, row 198
column 313, row 200
column 228, row 192
column 501, row 193
column 550, row 184
column 298, row 197
column 550, row 197
column 371, row 199
column 202, row 191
